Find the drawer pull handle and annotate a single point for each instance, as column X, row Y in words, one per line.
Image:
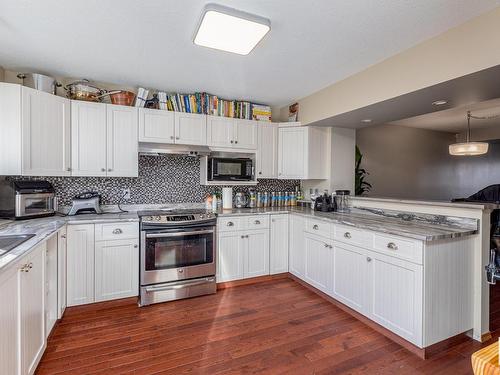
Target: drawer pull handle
column 256, row 222
column 368, row 259
column 326, row 245
column 117, row 231
column 315, row 227
column 230, row 224
column 392, row 246
column 347, row 235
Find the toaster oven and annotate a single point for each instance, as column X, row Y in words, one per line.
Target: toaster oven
column 26, row 199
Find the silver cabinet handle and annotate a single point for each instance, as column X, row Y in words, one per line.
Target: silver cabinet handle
column 232, row 141
column 242, row 236
column 117, row 231
column 260, row 172
column 246, row 236
column 235, row 141
column 172, row 137
column 177, row 137
column 326, row 245
column 347, row 235
column 30, row 266
column 257, row 222
column 68, row 169
column 109, row 169
column 180, row 270
column 103, row 169
column 392, row 246
column 136, row 246
column 368, row 259
column 315, row 227
column 330, row 246
column 63, row 236
column 230, row 224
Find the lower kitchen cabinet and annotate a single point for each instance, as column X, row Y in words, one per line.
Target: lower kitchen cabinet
column 9, row 322
column 318, row 261
column 257, row 253
column 31, row 309
column 296, row 246
column 278, row 250
column 80, row 264
column 230, row 253
column 61, row 271
column 51, row 295
column 116, row 269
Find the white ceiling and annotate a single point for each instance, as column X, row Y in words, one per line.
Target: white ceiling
column 311, row 45
column 454, row 120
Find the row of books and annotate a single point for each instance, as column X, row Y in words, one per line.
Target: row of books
column 204, row 103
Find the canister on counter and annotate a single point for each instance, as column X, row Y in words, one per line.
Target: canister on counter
column 280, row 198
column 286, row 198
column 259, row 199
column 274, row 201
column 265, row 199
column 293, row 199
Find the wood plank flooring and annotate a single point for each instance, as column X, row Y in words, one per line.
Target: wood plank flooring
column 274, row 327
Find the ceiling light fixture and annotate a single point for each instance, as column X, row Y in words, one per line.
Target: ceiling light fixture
column 440, row 102
column 367, row 120
column 469, row 148
column 230, row 30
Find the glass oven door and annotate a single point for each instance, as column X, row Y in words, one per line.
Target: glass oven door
column 177, row 255
column 34, row 204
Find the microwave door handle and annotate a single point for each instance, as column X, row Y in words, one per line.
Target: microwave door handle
column 178, row 234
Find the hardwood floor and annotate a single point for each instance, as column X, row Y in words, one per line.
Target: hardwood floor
column 274, row 327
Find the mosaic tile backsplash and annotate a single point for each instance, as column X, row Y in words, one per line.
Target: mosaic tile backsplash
column 162, row 179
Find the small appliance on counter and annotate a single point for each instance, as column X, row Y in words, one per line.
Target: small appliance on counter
column 240, row 200
column 26, row 199
column 87, row 202
column 342, row 200
column 324, row 203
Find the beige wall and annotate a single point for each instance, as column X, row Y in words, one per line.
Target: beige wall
column 462, row 50
column 484, row 134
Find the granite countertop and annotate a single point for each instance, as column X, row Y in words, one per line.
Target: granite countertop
column 417, row 226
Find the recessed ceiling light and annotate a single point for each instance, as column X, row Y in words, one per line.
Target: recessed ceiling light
column 440, row 102
column 367, row 120
column 230, row 30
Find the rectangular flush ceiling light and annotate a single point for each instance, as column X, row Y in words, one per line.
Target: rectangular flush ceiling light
column 230, row 30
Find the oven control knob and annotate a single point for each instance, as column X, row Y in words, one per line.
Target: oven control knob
column 158, row 218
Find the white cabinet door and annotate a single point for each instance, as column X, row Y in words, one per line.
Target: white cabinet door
column 122, row 144
column 267, row 156
column 51, row 269
column 116, row 269
column 257, row 253
column 318, row 262
column 88, row 139
column 45, row 133
column 61, row 273
column 80, row 264
column 396, row 296
column 156, row 126
column 292, row 155
column 9, row 323
column 278, row 244
column 190, row 129
column 297, row 257
column 32, row 310
column 245, row 134
column 220, row 131
column 230, row 254
column 350, row 279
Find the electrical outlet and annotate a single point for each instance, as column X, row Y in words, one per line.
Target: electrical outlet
column 126, row 194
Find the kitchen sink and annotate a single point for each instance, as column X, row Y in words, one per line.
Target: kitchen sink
column 10, row 242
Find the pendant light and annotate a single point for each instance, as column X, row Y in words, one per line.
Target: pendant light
column 469, row 148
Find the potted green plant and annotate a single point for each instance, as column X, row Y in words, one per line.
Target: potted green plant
column 361, row 186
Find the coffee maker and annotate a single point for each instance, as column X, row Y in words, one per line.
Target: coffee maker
column 324, row 203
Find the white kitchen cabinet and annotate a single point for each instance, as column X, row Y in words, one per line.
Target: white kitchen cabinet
column 190, row 129
column 51, row 293
column 303, row 152
column 296, row 237
column 104, row 140
column 256, row 248
column 230, row 253
column 32, row 309
column 88, row 139
column 9, row 322
column 156, row 126
column 350, row 277
column 35, row 128
column 245, row 134
column 318, row 261
column 122, row 158
column 61, row 273
column 278, row 249
column 116, row 269
column 267, row 155
column 80, row 264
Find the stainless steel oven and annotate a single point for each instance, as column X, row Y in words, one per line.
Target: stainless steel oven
column 177, row 255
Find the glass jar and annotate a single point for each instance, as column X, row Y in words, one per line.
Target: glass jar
column 342, row 200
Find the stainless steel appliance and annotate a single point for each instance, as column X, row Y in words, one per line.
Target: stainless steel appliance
column 230, row 169
column 85, row 203
column 39, row 82
column 240, row 200
column 177, row 255
column 26, row 199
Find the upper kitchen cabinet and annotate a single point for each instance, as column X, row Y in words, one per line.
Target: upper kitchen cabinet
column 190, row 129
column 303, row 152
column 232, row 133
column 267, row 152
column 35, row 132
column 104, row 140
column 156, row 126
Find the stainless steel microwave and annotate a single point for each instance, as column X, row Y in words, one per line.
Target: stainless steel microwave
column 230, row 169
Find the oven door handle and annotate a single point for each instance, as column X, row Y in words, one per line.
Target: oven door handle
column 178, row 234
column 184, row 284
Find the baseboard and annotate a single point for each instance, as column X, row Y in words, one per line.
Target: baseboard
column 486, row 336
column 253, row 280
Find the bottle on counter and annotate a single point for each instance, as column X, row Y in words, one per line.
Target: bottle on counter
column 265, row 199
column 252, row 201
column 208, row 202
column 273, row 199
column 293, row 199
column 214, row 202
column 259, row 199
column 286, row 199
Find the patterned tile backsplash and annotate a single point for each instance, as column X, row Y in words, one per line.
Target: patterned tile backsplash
column 162, row 179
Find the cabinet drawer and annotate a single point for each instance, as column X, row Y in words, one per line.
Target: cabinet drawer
column 257, row 222
column 319, row 227
column 403, row 248
column 353, row 236
column 230, row 223
column 116, row 231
